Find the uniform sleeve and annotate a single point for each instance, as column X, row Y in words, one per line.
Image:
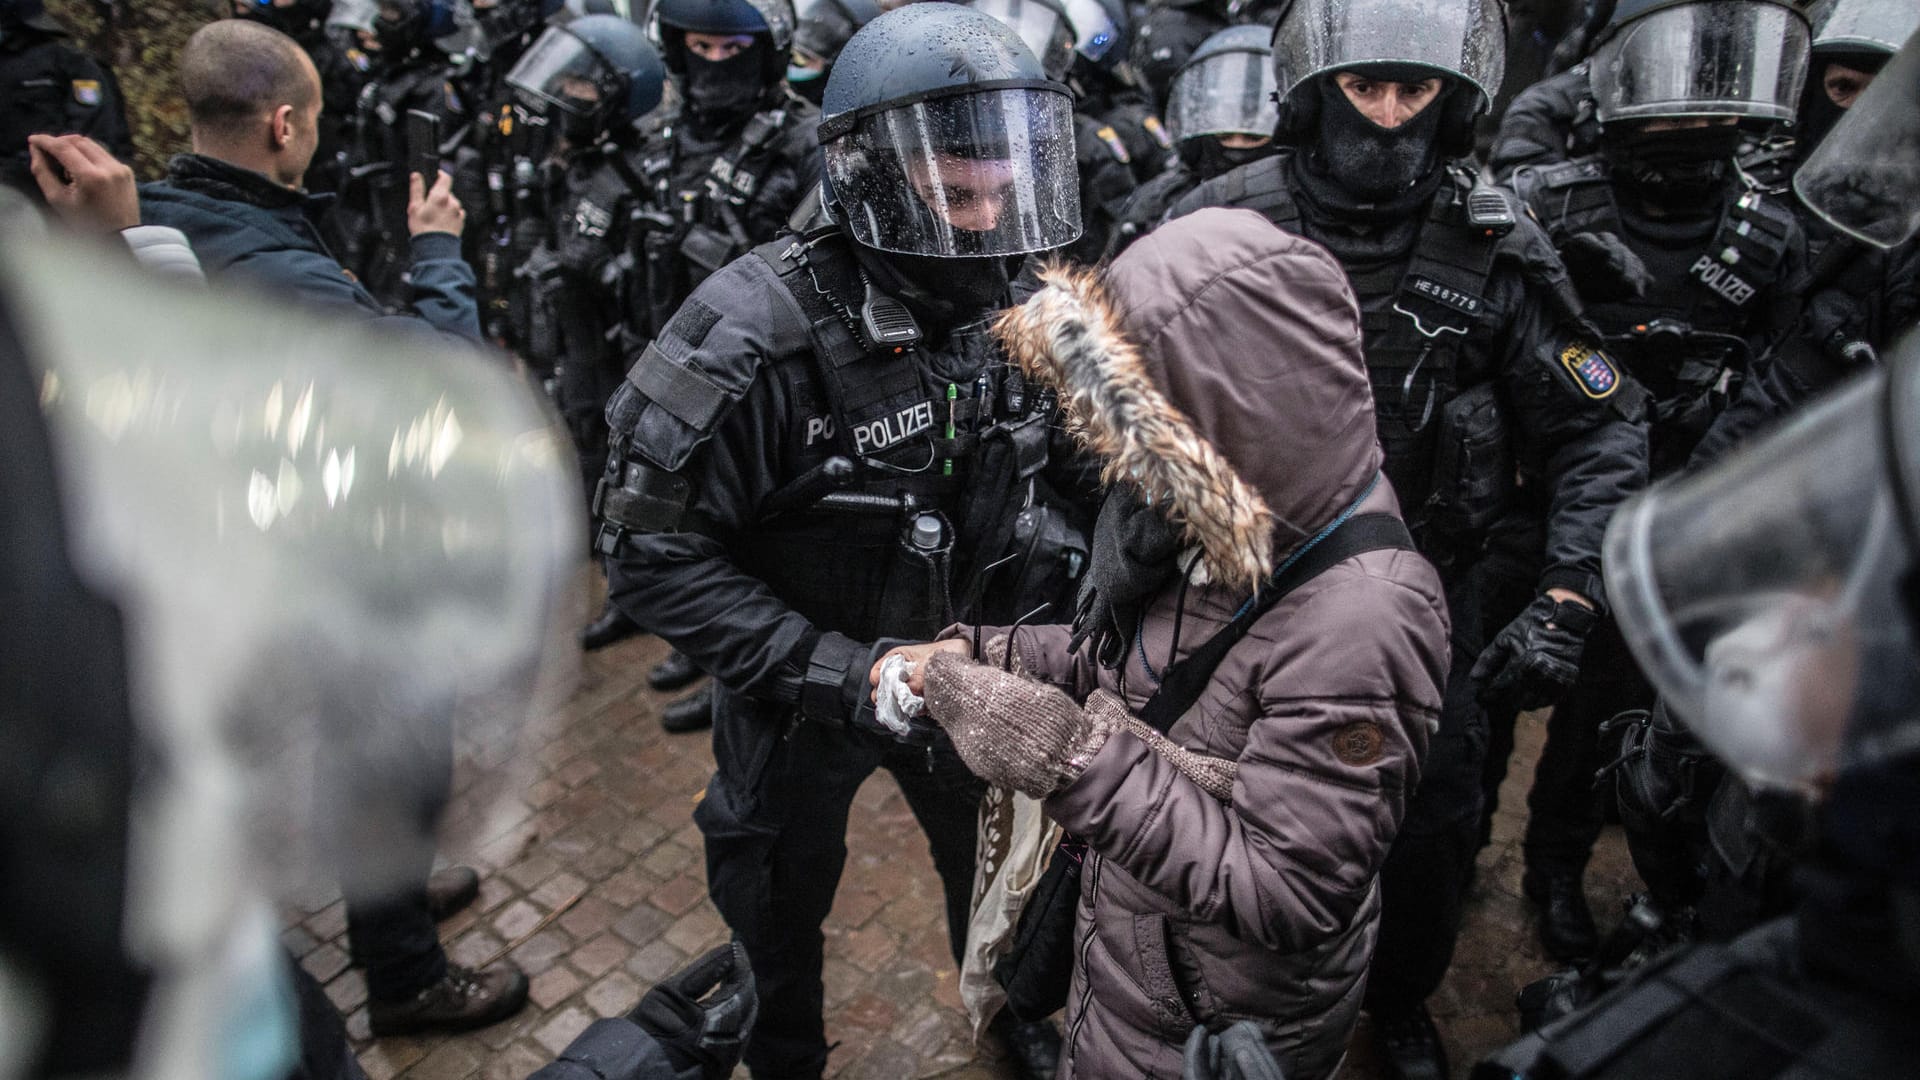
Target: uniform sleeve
column 443, row 290
column 1330, row 762
column 682, row 582
column 1537, row 124
column 1581, row 422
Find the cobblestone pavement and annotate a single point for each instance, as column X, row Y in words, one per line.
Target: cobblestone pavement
column 604, row 817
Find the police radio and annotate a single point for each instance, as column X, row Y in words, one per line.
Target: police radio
column 1490, row 209
column 885, row 321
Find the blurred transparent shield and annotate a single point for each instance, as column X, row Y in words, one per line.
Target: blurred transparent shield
column 345, row 555
column 1864, row 178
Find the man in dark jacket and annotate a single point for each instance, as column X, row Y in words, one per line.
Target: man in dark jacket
column 254, row 99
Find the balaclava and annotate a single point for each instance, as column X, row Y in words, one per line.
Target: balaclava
column 722, row 93
column 1206, row 157
column 1676, row 168
column 1377, row 164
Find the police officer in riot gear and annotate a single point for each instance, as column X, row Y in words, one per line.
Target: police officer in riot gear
column 1691, row 273
column 1105, row 163
column 48, row 87
column 1221, row 114
column 1482, row 373
column 1172, row 29
column 1108, row 88
column 593, row 78
column 1770, row 601
column 824, row 452
column 822, row 29
column 411, row 73
column 723, row 176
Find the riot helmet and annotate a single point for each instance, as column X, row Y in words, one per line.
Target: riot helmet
column 822, row 29
column 1463, row 40
column 502, row 21
column 1682, row 59
column 357, row 16
column 943, row 137
column 27, row 15
column 600, row 72
column 1043, row 25
column 294, row 20
column 1771, row 598
column 729, row 83
column 407, row 26
column 1852, row 41
column 1100, row 31
column 1225, row 88
column 1864, row 179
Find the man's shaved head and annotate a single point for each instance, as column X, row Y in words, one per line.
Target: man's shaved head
column 235, row 72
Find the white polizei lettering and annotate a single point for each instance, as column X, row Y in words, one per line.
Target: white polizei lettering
column 1722, row 280
column 819, row 427
column 882, row 433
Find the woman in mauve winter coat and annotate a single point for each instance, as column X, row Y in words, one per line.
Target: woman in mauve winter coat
column 1216, row 369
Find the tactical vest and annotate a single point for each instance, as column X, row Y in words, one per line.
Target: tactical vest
column 1416, row 322
column 1726, row 288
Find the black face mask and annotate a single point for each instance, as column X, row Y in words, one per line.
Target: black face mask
column 1375, row 164
column 503, row 22
column 581, row 131
column 941, row 293
column 813, row 89
column 295, row 22
column 723, row 92
column 1679, row 167
column 1207, row 158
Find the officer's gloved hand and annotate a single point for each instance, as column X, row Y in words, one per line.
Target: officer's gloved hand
column 703, row 1014
column 1604, row 268
column 1535, row 659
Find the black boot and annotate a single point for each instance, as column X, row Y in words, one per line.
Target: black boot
column 1032, row 1049
column 691, row 713
column 1566, row 923
column 609, row 627
column 450, row 890
column 462, row 1000
column 1410, row 1045
column 673, row 673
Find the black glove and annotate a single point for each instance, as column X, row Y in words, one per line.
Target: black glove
column 1535, row 659
column 703, row 1014
column 1238, row 1053
column 836, row 689
column 1604, row 268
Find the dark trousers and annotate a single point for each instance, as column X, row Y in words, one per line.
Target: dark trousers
column 775, row 823
column 392, row 804
column 1565, row 812
column 1423, row 884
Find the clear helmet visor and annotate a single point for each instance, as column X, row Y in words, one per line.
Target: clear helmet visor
column 1865, row 25
column 1715, row 58
column 1466, row 39
column 1048, row 36
column 354, row 15
column 346, row 562
column 1226, row 93
column 560, row 71
column 1864, row 178
column 1761, row 597
column 974, row 174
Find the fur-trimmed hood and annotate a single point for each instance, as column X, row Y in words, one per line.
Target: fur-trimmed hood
column 1216, row 364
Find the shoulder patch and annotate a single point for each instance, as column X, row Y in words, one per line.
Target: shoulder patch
column 1112, row 139
column 1591, row 368
column 359, row 60
column 453, row 98
column 86, row 91
column 1159, row 132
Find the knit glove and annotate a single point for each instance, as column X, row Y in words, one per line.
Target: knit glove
column 1014, row 732
column 1536, row 658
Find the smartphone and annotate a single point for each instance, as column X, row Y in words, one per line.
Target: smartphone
column 423, row 145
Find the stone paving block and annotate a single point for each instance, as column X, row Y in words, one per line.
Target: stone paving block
column 516, row 1062
column 643, row 924
column 852, row 907
column 557, row 890
column 451, row 1060
column 532, row 870
column 553, row 986
column 870, row 948
column 667, row 860
column 557, row 1032
column 589, row 917
column 329, row 922
column 614, row 995
column 624, row 889
column 516, row 919
column 870, row 1010
column 888, row 1060
column 347, row 990
column 298, row 941
column 655, row 961
column 679, row 896
column 696, row 931
column 472, row 948
column 600, row 955
column 325, row 961
column 541, row 950
column 390, row 1057
column 600, row 862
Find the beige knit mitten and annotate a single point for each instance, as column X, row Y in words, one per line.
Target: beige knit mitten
column 1015, row 732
